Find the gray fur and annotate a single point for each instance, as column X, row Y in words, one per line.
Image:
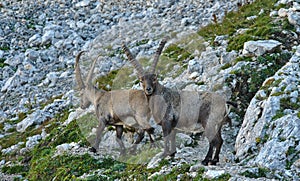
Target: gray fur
column 185, row 110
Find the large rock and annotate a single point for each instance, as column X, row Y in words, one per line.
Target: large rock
column 260, row 47
column 270, row 133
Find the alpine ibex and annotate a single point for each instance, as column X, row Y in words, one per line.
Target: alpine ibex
column 117, row 108
column 182, row 110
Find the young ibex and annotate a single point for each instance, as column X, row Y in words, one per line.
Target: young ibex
column 117, row 108
column 183, row 110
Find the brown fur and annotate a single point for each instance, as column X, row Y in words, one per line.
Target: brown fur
column 118, row 108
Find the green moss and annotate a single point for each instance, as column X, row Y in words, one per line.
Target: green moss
column 298, row 114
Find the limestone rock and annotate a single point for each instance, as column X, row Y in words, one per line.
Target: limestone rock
column 270, row 131
column 260, row 47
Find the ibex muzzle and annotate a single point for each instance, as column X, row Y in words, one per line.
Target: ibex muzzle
column 148, row 82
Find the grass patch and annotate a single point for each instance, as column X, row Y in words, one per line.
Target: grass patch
column 106, row 82
column 177, row 54
column 43, row 164
column 15, row 169
column 262, row 27
column 256, row 173
column 17, row 137
column 144, row 156
column 69, row 167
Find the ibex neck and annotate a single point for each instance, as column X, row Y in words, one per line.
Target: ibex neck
column 95, row 95
column 159, row 89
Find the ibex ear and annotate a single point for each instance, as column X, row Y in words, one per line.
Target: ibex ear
column 141, row 79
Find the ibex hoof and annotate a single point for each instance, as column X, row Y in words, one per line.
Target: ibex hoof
column 132, row 150
column 213, row 162
column 92, row 149
column 173, row 154
column 165, row 154
column 205, row 162
column 153, row 145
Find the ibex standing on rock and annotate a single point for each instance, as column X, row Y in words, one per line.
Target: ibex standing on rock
column 117, row 108
column 183, row 110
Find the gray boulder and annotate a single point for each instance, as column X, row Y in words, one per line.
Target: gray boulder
column 260, row 47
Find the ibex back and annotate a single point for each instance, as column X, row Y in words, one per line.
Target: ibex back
column 184, row 110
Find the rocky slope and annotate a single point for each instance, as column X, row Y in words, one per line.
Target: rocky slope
column 45, row 136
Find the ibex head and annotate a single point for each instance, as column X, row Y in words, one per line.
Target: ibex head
column 87, row 87
column 147, row 79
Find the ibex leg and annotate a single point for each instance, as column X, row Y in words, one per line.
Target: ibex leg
column 218, row 144
column 141, row 134
column 99, row 132
column 150, row 133
column 119, row 130
column 167, row 129
column 208, row 157
column 173, row 142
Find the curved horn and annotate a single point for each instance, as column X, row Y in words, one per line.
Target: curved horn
column 91, row 72
column 157, row 54
column 78, row 71
column 138, row 67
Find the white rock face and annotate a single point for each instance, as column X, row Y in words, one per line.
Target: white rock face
column 270, row 133
column 260, row 47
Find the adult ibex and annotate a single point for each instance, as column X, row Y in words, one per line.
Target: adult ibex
column 183, row 110
column 117, row 108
